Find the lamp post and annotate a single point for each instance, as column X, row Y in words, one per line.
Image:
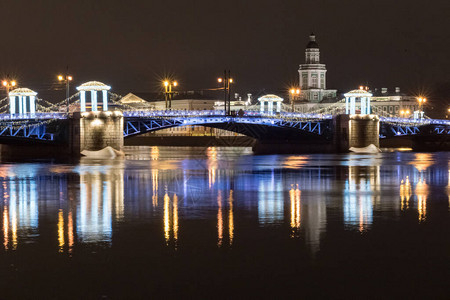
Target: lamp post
column 422, row 101
column 66, row 79
column 8, row 84
column 295, row 92
column 404, row 113
column 168, row 85
column 227, row 81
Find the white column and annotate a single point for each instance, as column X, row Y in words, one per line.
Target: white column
column 33, row 104
column 352, row 105
column 105, row 100
column 347, row 99
column 20, row 104
column 94, row 100
column 363, row 105
column 12, row 105
column 83, row 101
column 368, row 105
column 270, row 108
column 24, row 104
column 279, row 106
column 262, row 107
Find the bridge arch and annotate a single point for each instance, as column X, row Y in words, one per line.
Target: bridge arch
column 258, row 127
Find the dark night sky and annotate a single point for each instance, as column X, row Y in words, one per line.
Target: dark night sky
column 130, row 44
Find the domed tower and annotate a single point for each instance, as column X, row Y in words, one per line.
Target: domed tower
column 312, row 53
column 312, row 74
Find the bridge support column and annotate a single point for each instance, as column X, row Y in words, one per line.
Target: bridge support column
column 98, row 130
column 355, row 131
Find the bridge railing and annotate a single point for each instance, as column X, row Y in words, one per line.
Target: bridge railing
column 34, row 116
column 220, row 113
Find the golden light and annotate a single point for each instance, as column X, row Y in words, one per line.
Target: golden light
column 219, row 80
column 292, row 91
column 166, row 83
column 13, row 83
column 407, row 112
column 60, row 78
column 5, row 83
column 175, row 83
column 69, row 78
column 231, row 80
column 361, row 87
column 298, row 91
column 402, row 112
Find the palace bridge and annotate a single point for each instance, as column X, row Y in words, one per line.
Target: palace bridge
column 95, row 118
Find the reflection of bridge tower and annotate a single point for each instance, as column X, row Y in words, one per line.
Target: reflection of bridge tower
column 359, row 196
column 101, row 201
column 309, row 216
column 20, row 206
column 270, row 200
column 22, row 101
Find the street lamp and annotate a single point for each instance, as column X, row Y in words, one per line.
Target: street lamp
column 422, row 101
column 295, row 92
column 227, row 81
column 8, row 85
column 168, row 85
column 66, row 79
column 404, row 113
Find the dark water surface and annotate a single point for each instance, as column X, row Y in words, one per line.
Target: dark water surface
column 211, row 223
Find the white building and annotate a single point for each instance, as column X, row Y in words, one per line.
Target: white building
column 312, row 75
column 394, row 103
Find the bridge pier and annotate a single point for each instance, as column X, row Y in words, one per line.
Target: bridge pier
column 355, row 131
column 96, row 130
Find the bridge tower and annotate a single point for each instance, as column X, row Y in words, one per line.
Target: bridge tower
column 270, row 100
column 96, row 126
column 22, row 101
column 351, row 102
column 357, row 127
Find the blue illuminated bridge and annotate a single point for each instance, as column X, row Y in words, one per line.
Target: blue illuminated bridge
column 44, row 125
column 40, row 120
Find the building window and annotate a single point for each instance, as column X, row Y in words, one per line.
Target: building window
column 305, row 81
column 314, row 80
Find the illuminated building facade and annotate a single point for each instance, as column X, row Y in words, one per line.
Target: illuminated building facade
column 312, row 75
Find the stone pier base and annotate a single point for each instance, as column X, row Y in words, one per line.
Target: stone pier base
column 355, row 131
column 98, row 130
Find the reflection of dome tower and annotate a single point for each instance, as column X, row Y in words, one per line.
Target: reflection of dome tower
column 313, row 74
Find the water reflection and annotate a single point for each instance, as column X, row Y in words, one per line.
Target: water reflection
column 294, row 195
column 421, row 192
column 225, row 221
column 360, row 193
column 270, row 199
column 90, row 202
column 20, row 204
column 405, row 193
column 101, row 201
column 171, row 219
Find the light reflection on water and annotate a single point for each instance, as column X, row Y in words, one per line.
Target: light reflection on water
column 167, row 188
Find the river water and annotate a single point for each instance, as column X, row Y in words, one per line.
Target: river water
column 182, row 222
